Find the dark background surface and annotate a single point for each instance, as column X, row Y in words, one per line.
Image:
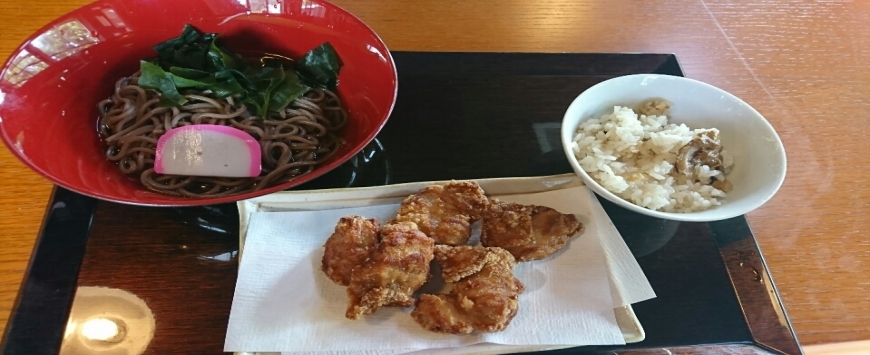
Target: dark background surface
column 458, row 116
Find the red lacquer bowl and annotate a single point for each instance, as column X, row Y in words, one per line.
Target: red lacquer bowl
column 50, row 85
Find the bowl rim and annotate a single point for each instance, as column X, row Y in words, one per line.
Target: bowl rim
column 203, row 201
column 700, row 216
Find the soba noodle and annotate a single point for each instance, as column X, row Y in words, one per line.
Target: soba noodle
column 293, row 141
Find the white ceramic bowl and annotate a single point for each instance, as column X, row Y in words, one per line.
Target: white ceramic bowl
column 759, row 157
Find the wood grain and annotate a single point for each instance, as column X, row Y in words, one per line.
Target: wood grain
column 23, row 193
column 803, row 64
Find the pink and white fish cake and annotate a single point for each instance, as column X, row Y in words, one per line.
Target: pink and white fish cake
column 208, row 150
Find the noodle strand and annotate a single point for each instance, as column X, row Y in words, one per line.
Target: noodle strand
column 292, row 141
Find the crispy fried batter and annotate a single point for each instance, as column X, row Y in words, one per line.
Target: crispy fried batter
column 484, row 298
column 392, row 227
column 354, row 239
column 445, row 213
column 461, row 262
column 528, row 232
column 398, row 267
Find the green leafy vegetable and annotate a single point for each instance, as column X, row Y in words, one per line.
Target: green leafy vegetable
column 186, row 51
column 286, row 91
column 181, row 82
column 222, row 59
column 320, row 67
column 189, row 73
column 225, row 84
column 197, row 60
column 222, row 83
column 265, row 81
column 154, row 77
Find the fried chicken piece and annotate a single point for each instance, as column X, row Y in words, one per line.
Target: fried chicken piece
column 445, row 213
column 484, row 295
column 398, row 267
column 460, row 262
column 528, row 232
column 393, row 227
column 349, row 246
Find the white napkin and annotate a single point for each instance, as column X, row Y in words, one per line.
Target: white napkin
column 628, row 285
column 283, row 302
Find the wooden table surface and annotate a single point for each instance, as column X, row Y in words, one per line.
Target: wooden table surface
column 805, row 65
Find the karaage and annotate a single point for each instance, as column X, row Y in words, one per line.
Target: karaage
column 445, row 213
column 528, row 232
column 484, row 296
column 397, row 268
column 349, row 246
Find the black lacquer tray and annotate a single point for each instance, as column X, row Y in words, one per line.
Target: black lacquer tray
column 458, row 116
